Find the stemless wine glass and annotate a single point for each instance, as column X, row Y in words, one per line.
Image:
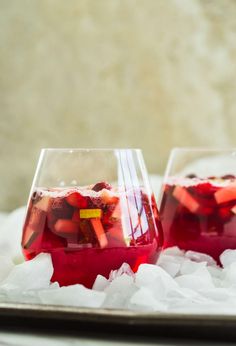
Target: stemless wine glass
column 198, row 201
column 92, row 210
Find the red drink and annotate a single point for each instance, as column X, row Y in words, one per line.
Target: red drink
column 200, row 214
column 91, row 230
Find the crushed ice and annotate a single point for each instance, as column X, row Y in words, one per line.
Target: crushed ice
column 186, row 282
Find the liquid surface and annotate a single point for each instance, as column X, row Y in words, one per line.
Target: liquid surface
column 200, row 214
column 91, row 230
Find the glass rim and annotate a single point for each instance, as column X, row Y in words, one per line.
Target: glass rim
column 89, row 149
column 203, row 149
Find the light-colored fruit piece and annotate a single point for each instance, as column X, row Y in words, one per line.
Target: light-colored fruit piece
column 29, row 237
column 234, row 209
column 108, row 197
column 44, row 203
column 37, row 218
column 90, row 213
column 117, row 212
column 65, row 226
column 184, row 197
column 226, row 194
column 115, row 236
column 99, row 231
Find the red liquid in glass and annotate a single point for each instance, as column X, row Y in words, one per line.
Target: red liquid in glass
column 87, row 232
column 200, row 214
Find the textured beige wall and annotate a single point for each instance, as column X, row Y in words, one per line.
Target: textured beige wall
column 148, row 73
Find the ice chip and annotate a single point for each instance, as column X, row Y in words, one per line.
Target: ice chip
column 173, row 251
column 172, row 268
column 227, row 257
column 189, row 267
column 218, row 294
column 75, row 295
column 119, row 291
column 159, row 282
column 195, row 282
column 144, row 299
column 200, row 257
column 148, row 273
column 6, row 265
column 100, row 283
column 171, row 264
column 54, row 285
column 17, row 296
column 229, row 274
column 34, row 274
column 124, row 269
column 11, row 232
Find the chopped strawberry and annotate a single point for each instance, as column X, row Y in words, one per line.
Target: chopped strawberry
column 204, row 189
column 225, row 194
column 64, row 226
column 102, row 185
column 184, row 197
column 44, row 203
column 108, row 197
column 99, row 231
column 77, row 200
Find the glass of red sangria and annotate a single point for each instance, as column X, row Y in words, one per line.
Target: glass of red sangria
column 92, row 210
column 198, row 200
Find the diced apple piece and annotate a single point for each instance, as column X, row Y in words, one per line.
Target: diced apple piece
column 99, row 231
column 64, row 226
column 115, row 236
column 117, row 212
column 108, row 197
column 234, row 209
column 43, row 204
column 226, row 194
column 77, row 200
column 29, row 237
column 184, row 197
column 37, row 217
